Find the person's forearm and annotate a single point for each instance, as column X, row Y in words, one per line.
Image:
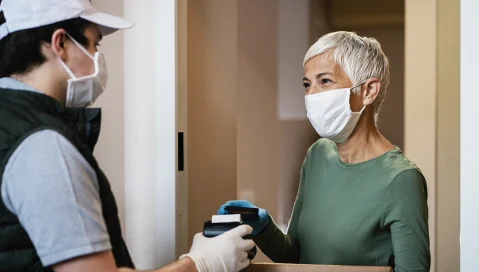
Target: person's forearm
column 183, row 265
column 279, row 247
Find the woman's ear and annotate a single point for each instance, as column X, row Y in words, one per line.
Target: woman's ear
column 371, row 90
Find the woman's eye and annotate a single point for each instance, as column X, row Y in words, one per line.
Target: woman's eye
column 306, row 85
column 325, row 81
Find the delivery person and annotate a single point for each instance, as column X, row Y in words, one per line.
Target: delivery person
column 57, row 211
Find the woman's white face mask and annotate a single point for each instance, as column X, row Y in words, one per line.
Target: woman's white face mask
column 330, row 113
column 84, row 91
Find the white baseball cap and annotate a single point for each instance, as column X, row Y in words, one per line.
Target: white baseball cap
column 16, row 15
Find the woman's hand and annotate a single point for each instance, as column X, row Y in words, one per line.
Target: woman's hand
column 257, row 225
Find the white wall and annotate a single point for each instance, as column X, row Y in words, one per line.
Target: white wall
column 137, row 146
column 165, row 127
column 150, row 131
column 182, row 245
column 469, row 131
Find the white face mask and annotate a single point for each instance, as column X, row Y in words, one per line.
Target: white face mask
column 82, row 92
column 330, row 114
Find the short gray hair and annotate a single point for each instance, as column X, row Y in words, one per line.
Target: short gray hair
column 360, row 57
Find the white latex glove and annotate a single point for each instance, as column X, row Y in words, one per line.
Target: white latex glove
column 224, row 253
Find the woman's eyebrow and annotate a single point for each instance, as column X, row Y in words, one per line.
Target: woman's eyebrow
column 323, row 74
column 319, row 75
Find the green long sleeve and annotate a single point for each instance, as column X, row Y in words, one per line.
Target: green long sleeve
column 372, row 213
column 405, row 213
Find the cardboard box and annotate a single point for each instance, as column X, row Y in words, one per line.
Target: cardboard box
column 276, row 267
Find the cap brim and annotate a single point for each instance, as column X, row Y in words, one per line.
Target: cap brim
column 107, row 23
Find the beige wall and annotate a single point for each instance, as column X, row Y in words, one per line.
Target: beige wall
column 212, row 108
column 432, row 117
column 258, row 125
column 296, row 133
column 238, row 147
column 293, row 40
column 296, row 137
column 448, row 136
column 110, row 150
column 420, row 98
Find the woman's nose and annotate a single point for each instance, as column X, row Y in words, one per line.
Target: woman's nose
column 311, row 90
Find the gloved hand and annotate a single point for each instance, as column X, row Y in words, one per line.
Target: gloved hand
column 259, row 225
column 224, row 253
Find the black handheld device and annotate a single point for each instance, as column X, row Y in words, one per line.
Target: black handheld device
column 247, row 214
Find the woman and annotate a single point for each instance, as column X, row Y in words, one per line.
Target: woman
column 360, row 200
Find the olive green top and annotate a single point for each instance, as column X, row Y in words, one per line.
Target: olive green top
column 371, row 213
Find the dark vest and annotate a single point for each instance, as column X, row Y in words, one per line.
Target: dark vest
column 23, row 113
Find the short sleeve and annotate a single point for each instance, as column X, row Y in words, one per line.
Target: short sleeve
column 54, row 192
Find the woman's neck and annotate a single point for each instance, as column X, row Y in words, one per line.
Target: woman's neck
column 365, row 143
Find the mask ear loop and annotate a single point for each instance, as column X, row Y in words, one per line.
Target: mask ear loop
column 80, row 47
column 351, row 89
column 70, row 73
column 357, row 85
